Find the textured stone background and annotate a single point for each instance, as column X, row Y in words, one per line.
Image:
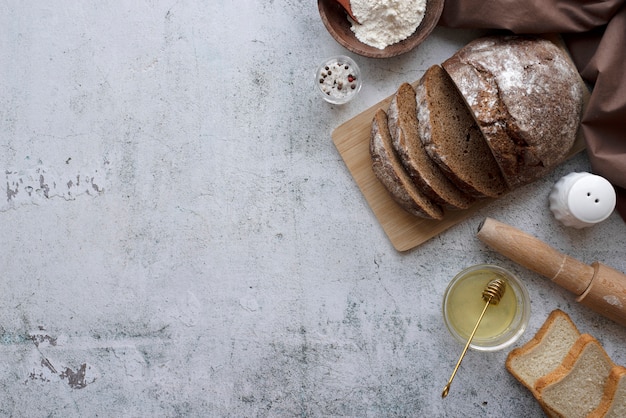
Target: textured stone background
column 181, row 238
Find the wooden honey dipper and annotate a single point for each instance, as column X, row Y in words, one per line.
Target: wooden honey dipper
column 596, row 286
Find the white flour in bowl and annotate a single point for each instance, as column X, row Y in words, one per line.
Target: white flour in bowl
column 385, row 22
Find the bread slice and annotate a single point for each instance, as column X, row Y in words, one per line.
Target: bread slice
column 613, row 403
column 527, row 98
column 545, row 351
column 452, row 138
column 424, row 172
column 389, row 170
column 575, row 388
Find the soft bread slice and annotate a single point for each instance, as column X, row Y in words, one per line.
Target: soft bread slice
column 453, row 139
column 545, row 351
column 389, row 170
column 613, row 403
column 575, row 388
column 424, row 172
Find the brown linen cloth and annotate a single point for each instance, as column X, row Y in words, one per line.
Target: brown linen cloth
column 595, row 34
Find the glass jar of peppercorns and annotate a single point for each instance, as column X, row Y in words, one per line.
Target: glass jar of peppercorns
column 338, row 79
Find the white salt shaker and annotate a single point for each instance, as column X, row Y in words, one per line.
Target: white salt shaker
column 582, row 199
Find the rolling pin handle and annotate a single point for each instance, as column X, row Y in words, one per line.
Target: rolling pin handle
column 606, row 293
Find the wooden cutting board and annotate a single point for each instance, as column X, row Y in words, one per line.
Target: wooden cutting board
column 404, row 230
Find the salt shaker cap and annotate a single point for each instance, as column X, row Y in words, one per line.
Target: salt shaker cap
column 581, row 200
column 591, row 199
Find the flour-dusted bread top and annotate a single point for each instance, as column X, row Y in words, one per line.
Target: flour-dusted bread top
column 545, row 351
column 575, row 388
column 389, row 170
column 424, row 172
column 452, row 139
column 613, row 403
column 527, row 98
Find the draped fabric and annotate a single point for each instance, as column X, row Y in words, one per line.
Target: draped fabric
column 595, row 34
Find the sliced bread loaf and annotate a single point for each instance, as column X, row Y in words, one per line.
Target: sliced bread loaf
column 545, row 351
column 391, row 173
column 424, row 172
column 613, row 403
column 527, row 98
column 575, row 388
column 452, row 138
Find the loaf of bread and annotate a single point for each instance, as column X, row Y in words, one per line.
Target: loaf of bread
column 425, row 173
column 527, row 98
column 500, row 113
column 570, row 374
column 389, row 170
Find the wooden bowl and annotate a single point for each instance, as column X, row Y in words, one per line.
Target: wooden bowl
column 336, row 21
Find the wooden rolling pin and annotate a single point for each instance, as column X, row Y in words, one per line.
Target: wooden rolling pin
column 596, row 286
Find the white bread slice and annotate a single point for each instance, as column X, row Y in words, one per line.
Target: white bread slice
column 545, row 351
column 613, row 403
column 575, row 388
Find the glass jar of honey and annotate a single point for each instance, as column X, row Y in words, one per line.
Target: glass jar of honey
column 502, row 324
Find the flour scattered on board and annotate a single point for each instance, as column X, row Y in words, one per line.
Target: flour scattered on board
column 37, row 184
column 386, row 22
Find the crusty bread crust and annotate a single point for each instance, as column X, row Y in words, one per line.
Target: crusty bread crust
column 541, row 347
column 389, row 170
column 613, row 403
column 571, row 390
column 426, row 175
column 527, row 98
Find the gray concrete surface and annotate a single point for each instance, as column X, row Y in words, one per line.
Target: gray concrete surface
column 181, row 238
